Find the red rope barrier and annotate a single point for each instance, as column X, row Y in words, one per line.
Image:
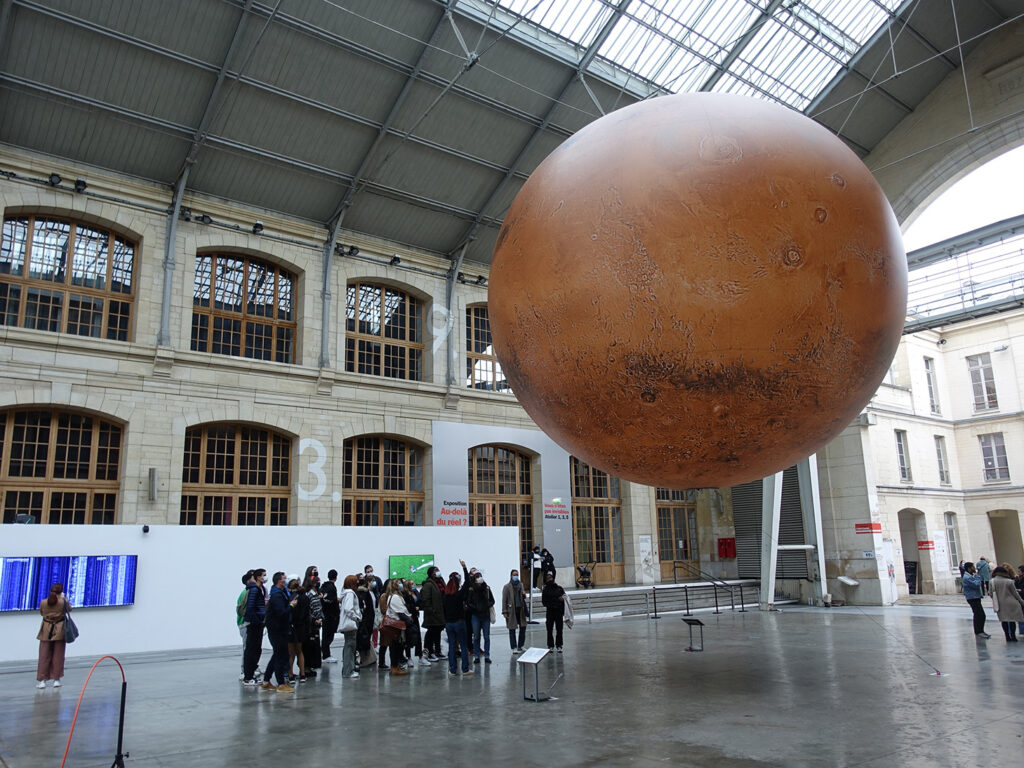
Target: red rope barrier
column 79, row 705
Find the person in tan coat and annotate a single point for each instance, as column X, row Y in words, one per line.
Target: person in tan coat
column 1008, row 604
column 51, row 637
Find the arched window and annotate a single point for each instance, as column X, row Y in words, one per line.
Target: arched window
column 66, row 276
column 500, row 490
column 382, row 482
column 677, row 528
column 597, row 522
column 383, row 332
column 243, row 307
column 235, row 474
column 59, row 467
column 483, row 371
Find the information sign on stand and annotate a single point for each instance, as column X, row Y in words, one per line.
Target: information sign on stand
column 691, row 623
column 532, row 657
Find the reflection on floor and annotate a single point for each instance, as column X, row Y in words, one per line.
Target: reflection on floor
column 802, row 687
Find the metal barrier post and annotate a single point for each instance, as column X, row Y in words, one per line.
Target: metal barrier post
column 732, row 599
column 716, row 597
column 647, row 604
column 590, row 615
column 654, row 591
column 742, row 609
column 686, row 594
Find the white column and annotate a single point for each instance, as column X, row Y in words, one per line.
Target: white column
column 771, row 511
column 810, row 510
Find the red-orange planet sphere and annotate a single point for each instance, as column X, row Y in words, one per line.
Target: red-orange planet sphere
column 697, row 290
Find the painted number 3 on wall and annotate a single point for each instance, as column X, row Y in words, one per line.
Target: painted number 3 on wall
column 315, row 467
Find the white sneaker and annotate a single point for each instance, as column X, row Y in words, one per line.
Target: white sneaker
column 424, row 662
column 41, row 684
column 56, row 683
column 330, row 660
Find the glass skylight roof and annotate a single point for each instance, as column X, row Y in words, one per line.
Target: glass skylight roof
column 784, row 50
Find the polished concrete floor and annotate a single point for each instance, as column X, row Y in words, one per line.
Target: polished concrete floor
column 801, row 687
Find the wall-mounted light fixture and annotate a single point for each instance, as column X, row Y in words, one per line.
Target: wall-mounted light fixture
column 940, row 342
column 481, row 280
column 80, row 185
column 257, row 228
column 346, row 250
column 154, row 483
column 1001, row 348
column 395, row 260
column 145, row 529
column 461, row 278
column 54, row 179
column 186, row 214
column 204, row 218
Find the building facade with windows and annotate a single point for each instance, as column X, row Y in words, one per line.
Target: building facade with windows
column 942, row 444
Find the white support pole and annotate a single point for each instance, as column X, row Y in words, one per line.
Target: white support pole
column 810, row 510
column 771, row 511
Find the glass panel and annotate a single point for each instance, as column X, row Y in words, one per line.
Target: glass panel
column 85, row 316
column 73, row 447
column 10, row 301
column 220, row 455
column 89, row 264
column 12, row 246
column 49, row 250
column 124, row 262
column 227, row 292
column 43, row 309
column 30, row 444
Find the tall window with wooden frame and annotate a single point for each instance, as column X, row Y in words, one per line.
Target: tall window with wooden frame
column 500, row 490
column 66, row 276
column 382, row 478
column 235, row 474
column 677, row 529
column 597, row 522
column 483, row 371
column 243, row 307
column 59, row 467
column 383, row 332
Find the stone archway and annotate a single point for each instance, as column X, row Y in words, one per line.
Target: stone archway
column 917, row 562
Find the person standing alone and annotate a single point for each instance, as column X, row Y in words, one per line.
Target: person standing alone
column 973, row 594
column 513, row 608
column 553, row 598
column 52, row 641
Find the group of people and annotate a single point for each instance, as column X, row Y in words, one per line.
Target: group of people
column 391, row 625
column 1006, row 586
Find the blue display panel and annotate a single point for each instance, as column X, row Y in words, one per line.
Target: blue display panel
column 89, row 580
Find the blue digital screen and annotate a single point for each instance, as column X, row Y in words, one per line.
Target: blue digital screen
column 89, row 580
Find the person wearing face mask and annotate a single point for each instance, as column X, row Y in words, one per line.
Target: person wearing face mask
column 513, row 608
column 468, row 579
column 364, row 633
column 392, row 636
column 553, row 598
column 432, row 607
column 455, row 624
column 480, row 602
column 311, row 642
column 413, row 637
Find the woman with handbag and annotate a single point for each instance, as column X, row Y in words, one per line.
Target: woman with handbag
column 350, row 618
column 393, row 626
column 51, row 637
column 364, row 634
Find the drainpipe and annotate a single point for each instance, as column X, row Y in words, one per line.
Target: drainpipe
column 163, row 339
column 325, row 291
column 450, row 299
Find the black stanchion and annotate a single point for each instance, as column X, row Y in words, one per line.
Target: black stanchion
column 655, row 591
column 716, row 599
column 119, row 758
column 686, row 595
column 742, row 609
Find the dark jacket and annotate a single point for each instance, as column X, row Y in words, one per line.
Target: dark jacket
column 255, row 603
column 455, row 605
column 279, row 614
column 300, row 618
column 329, row 600
column 431, row 604
column 547, row 563
column 364, row 631
column 551, row 597
column 479, row 601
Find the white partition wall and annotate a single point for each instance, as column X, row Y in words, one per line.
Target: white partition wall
column 189, row 577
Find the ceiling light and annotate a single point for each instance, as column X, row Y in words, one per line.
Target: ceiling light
column 54, row 179
column 80, row 185
column 257, row 228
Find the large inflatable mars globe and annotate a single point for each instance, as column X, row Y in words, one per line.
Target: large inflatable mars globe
column 697, row 290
